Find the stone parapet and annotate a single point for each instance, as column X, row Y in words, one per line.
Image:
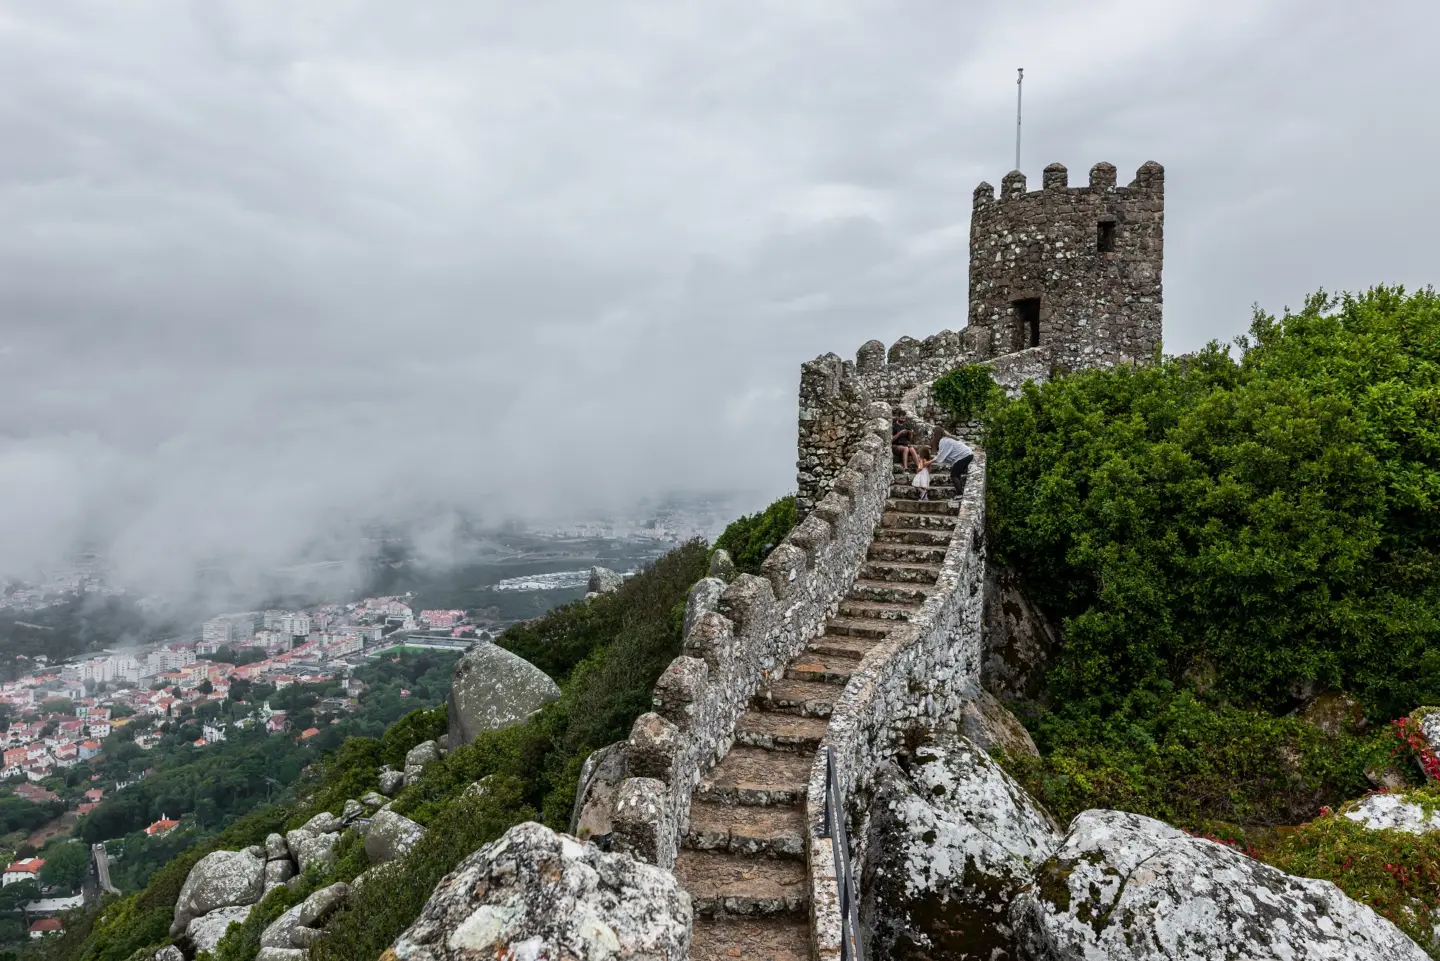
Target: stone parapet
column 835, row 395
column 740, row 635
column 918, row 677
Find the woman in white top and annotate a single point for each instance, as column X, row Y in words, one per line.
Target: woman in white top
column 954, row 454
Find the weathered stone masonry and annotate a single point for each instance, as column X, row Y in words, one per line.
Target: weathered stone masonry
column 736, row 636
column 917, row 678
column 1044, row 297
column 1083, row 262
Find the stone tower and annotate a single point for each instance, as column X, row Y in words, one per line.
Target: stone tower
column 1075, row 270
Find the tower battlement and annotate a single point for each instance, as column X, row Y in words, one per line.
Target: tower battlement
column 1073, row 269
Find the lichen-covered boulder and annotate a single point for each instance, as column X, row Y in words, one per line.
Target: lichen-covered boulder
column 1335, row 713
column 276, row 848
column 951, row 843
column 722, row 565
column 206, row 931
column 391, row 836
column 537, row 894
column 294, row 929
column 323, row 823
column 603, row 580
column 1122, row 886
column 278, row 872
column 391, row 781
column 988, row 723
column 168, row 953
column 600, row 779
column 418, row 758
column 316, row 851
column 492, row 688
column 218, row 880
column 1394, row 812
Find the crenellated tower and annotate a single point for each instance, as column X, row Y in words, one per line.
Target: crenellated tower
column 1075, row 270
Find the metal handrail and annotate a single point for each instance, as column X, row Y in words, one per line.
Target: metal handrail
column 844, row 876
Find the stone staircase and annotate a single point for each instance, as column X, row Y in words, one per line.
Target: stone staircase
column 743, row 860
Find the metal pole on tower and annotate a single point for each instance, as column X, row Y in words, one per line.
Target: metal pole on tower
column 1019, row 86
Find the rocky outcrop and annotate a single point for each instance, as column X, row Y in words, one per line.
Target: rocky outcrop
column 1019, row 641
column 952, row 842
column 220, row 879
column 1393, row 812
column 205, row 932
column 418, row 758
column 492, row 688
column 391, row 781
column 297, row 928
column 168, row 953
column 722, row 565
column 603, row 580
column 988, row 723
column 1335, row 713
column 600, row 779
column 537, row 894
column 391, row 836
column 1122, row 886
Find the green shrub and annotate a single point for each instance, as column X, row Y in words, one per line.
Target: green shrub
column 967, row 391
column 1396, row 873
column 1172, row 756
column 748, row 537
column 1276, row 516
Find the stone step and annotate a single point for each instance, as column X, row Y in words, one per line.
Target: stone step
column 939, row 537
column 872, row 627
column 905, row 492
column 780, row 732
column 879, row 610
column 732, row 884
column 888, row 592
column 777, row 938
column 901, row 476
column 896, row 505
column 910, row 553
column 900, row 572
column 796, row 697
column 753, row 775
column 814, row 666
column 856, row 647
column 777, row 832
column 894, row 520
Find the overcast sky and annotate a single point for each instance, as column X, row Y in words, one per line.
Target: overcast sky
column 266, row 265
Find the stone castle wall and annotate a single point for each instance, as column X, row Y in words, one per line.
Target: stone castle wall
column 736, row 636
column 1097, row 307
column 918, row 677
column 1093, row 308
column 834, row 394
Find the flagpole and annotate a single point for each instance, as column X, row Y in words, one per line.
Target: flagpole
column 1019, row 84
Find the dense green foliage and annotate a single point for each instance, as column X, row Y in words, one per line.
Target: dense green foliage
column 1177, row 757
column 965, row 392
column 609, row 652
column 1396, row 873
column 18, row 814
column 1274, row 518
column 749, row 538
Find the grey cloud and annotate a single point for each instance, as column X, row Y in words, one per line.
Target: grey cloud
column 269, row 269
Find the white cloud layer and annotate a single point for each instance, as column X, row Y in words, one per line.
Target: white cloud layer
column 271, row 267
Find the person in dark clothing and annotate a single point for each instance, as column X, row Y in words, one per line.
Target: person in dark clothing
column 900, row 437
